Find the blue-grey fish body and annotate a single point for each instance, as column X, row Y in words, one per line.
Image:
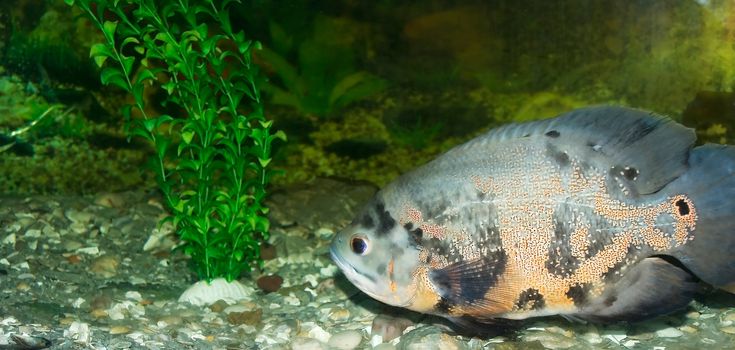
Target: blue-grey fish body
column 603, row 214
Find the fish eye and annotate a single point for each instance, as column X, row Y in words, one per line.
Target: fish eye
column 359, row 245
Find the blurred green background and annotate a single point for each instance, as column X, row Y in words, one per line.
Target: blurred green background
column 368, row 90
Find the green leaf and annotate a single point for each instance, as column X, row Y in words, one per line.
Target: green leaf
column 354, row 87
column 280, row 135
column 69, row 2
column 127, row 63
column 161, row 147
column 115, row 77
column 187, row 136
column 109, row 28
column 264, row 162
column 99, row 52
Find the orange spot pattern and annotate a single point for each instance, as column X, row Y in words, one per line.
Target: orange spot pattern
column 525, row 192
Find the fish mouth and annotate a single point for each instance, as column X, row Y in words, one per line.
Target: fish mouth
column 349, row 271
column 340, row 261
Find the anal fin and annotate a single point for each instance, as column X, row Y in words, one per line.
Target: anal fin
column 651, row 288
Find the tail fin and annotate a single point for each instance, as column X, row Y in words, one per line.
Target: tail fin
column 710, row 184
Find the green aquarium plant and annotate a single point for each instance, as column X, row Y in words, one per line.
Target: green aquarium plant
column 213, row 154
column 323, row 80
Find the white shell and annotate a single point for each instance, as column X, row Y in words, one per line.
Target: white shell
column 203, row 293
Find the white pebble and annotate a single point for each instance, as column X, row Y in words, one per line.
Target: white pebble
column 133, row 295
column 328, row 271
column 346, row 340
column 670, row 332
column 78, row 331
column 319, row 334
column 301, row 343
column 9, row 239
column 33, row 233
column 324, row 232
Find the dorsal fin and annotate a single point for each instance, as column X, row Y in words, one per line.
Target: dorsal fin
column 651, row 148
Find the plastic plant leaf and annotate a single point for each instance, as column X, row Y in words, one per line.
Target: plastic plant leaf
column 99, row 52
column 109, row 27
column 112, row 76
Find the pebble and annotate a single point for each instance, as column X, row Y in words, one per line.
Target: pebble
column 250, row 318
column 23, row 287
column 105, row 266
column 270, row 283
column 78, row 216
column 319, row 333
column 345, row 340
column 688, row 329
column 302, row 343
column 339, row 314
column 389, row 327
column 728, row 329
column 384, row 346
column 119, row 330
column 669, row 332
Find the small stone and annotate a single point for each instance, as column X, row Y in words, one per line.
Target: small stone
column 110, row 200
column 268, row 252
column 78, row 216
column 728, row 329
column 324, row 233
column 102, row 301
column 730, row 317
column 23, row 287
column 592, row 337
column 302, row 343
column 339, row 314
column 133, row 295
column 319, row 333
column 105, row 266
column 346, row 340
column 237, row 308
column 32, row 233
column 250, row 318
column 688, row 329
column 170, row 320
column 270, row 283
column 218, row 306
column 693, row 315
column 669, row 332
column 99, row 313
column 389, row 327
column 384, row 346
column 71, row 245
column 119, row 330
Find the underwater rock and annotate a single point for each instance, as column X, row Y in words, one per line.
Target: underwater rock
column 389, row 327
column 346, row 340
column 250, row 318
column 105, row 266
column 270, row 284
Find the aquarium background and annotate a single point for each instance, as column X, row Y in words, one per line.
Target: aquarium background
column 369, row 90
column 364, row 91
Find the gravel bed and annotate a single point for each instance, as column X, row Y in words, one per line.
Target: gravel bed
column 97, row 273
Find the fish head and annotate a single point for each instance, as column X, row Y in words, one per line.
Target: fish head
column 376, row 254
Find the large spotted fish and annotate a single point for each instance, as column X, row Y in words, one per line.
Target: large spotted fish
column 601, row 214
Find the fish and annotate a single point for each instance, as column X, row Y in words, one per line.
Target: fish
column 602, row 214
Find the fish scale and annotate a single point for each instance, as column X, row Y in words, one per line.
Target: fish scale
column 578, row 215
